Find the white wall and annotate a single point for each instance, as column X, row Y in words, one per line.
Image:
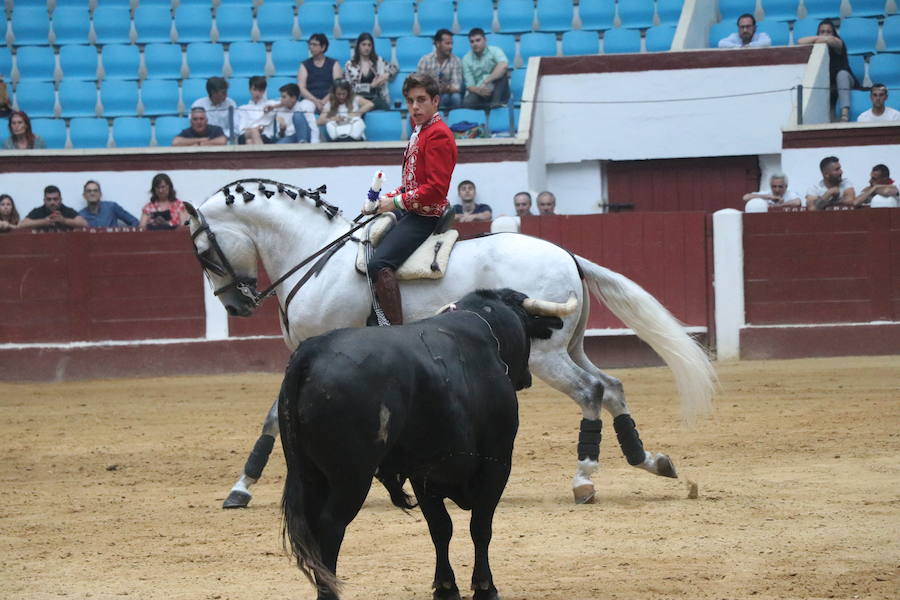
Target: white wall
column 802, row 164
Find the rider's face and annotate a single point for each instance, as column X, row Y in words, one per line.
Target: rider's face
column 421, row 105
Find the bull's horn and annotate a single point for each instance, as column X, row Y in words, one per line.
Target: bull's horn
column 546, row 308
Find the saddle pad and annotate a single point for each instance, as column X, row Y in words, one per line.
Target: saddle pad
column 419, row 264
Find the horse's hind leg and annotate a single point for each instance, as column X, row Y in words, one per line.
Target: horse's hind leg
column 240, row 495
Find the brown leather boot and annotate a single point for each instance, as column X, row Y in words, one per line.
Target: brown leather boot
column 387, row 290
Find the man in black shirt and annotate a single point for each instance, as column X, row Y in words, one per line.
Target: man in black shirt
column 200, row 133
column 53, row 215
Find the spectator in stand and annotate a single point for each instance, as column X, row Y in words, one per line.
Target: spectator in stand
column 778, row 194
column 546, row 203
column 53, row 215
column 165, row 210
column 484, row 72
column 9, row 216
column 446, row 68
column 343, row 113
column 102, row 213
column 468, row 210
column 217, row 103
column 833, row 189
column 256, row 117
column 200, row 133
column 839, row 65
column 292, row 127
column 21, row 137
column 879, row 112
column 315, row 77
column 522, row 204
column 880, row 186
column 5, row 106
column 369, row 73
column 746, row 36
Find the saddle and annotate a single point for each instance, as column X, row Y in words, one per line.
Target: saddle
column 430, row 259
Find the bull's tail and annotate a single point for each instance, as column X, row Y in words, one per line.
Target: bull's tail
column 653, row 323
column 297, row 536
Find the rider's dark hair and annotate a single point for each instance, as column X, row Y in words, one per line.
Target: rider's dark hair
column 882, row 171
column 362, row 37
column 464, row 182
column 156, row 180
column 422, row 80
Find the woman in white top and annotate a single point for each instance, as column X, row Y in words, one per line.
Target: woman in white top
column 369, row 73
column 342, row 113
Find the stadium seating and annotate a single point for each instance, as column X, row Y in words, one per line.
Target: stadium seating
column 30, row 26
column 384, row 48
column 355, row 18
column 859, row 103
column 885, row 68
column 867, row 8
column 730, row 10
column 153, row 24
column 860, row 35
column 536, row 44
column 77, row 98
column 777, row 30
column 159, row 97
column 578, row 42
column 804, row 28
column 517, row 85
column 554, row 16
column 618, row 41
column 53, row 132
column 474, row 13
column 78, row 62
column 891, row 34
column 275, row 22
column 5, row 61
column 434, row 15
column 504, row 41
column 638, row 14
column 205, row 60
column 822, row 9
column 669, row 11
column 166, row 128
column 720, row 30
column 315, row 17
column 163, row 61
column 499, row 121
column 247, row 59
column 287, row 56
column 383, row 126
column 469, row 115
column 410, row 49
column 780, row 10
column 515, row 16
column 112, row 25
column 120, row 61
column 857, row 67
column 395, row 89
column 339, row 50
column 194, row 88
column 396, row 18
column 234, row 22
column 659, row 38
column 193, row 23
column 119, row 97
column 71, row 25
column 89, row 132
column 596, row 14
column 37, row 98
column 36, row 63
column 132, row 132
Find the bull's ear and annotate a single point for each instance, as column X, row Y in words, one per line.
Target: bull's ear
column 190, row 209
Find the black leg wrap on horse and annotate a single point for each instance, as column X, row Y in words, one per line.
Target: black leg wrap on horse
column 589, row 439
column 629, row 440
column 258, row 458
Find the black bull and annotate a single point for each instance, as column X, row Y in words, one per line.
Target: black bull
column 433, row 402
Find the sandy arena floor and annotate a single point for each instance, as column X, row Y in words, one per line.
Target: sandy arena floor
column 113, row 489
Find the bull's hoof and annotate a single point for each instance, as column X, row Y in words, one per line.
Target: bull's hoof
column 665, row 467
column 446, row 594
column 489, row 594
column 584, row 494
column 237, row 499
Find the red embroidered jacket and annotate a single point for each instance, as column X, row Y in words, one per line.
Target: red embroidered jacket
column 428, row 165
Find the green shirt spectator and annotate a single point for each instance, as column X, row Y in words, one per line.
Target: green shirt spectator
column 484, row 73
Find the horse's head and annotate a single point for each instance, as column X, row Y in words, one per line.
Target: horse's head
column 227, row 256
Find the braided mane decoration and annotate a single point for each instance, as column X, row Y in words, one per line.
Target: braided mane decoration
column 283, row 189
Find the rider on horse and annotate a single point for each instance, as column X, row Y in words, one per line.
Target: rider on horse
column 428, row 165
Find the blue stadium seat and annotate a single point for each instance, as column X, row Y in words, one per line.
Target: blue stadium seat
column 194, row 88
column 578, row 42
column 36, row 98
column 384, row 48
column 153, row 24
column 78, row 62
column 36, row 63
column 867, row 8
column 597, row 15
column 474, row 13
column 618, row 41
column 205, row 60
column 517, row 85
column 499, row 121
column 89, row 132
column 804, row 28
column 239, row 88
column 193, row 23
column 718, row 31
column 730, row 10
column 159, row 97
column 355, row 18
column 506, row 42
column 287, row 56
column 515, row 16
column 777, row 30
column 163, row 61
column 78, row 98
column 339, row 50
column 396, row 18
column 638, row 14
column 132, row 132
column 554, row 16
column 859, row 35
column 31, row 26
column 780, row 10
column 315, row 17
column 383, row 126
column 669, row 11
column 410, row 49
column 659, row 38
column 71, row 25
column 112, row 25
column 120, row 61
column 53, row 131
column 859, row 103
column 857, row 67
column 166, row 128
column 822, row 9
column 247, row 59
column 118, row 3
column 273, row 85
column 5, row 61
column 471, row 115
column 536, row 44
column 395, row 88
column 434, row 15
column 885, row 68
column 234, row 23
column 891, row 34
column 275, row 22
column 119, row 97
column 4, row 130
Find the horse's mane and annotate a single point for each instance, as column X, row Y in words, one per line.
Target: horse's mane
column 282, row 189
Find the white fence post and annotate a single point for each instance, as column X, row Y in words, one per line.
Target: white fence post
column 728, row 281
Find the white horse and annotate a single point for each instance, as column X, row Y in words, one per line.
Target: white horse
column 281, row 225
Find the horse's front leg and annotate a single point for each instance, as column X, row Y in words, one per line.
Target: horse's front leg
column 240, row 495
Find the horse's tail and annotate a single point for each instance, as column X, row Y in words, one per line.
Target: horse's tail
column 653, row 323
column 297, row 537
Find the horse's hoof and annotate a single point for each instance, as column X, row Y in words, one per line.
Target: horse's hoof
column 665, row 467
column 237, row 499
column 490, row 594
column 584, row 494
column 446, row 594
